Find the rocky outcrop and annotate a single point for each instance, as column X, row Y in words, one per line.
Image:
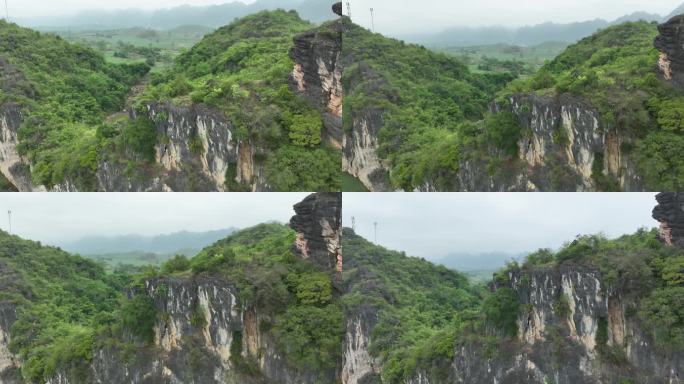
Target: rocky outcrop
column 9, row 363
column 670, row 43
column 360, row 142
column 670, row 214
column 562, row 139
column 196, row 151
column 317, row 74
column 359, row 366
column 318, row 223
column 563, row 311
column 12, row 166
column 202, row 335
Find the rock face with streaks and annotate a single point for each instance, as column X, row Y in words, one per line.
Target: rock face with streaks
column 562, row 144
column 196, row 147
column 670, row 43
column 204, row 334
column 195, row 151
column 317, row 74
column 564, row 309
column 318, row 223
column 9, row 363
column 670, row 214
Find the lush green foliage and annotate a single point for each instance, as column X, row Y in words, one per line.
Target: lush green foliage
column 613, row 71
column 501, row 310
column 422, row 306
column 62, row 301
column 424, row 96
column 66, row 91
column 243, row 69
column 307, row 321
column 646, row 271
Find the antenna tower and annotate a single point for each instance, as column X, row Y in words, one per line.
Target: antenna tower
column 349, row 9
column 9, row 219
column 353, row 223
column 6, row 12
column 375, row 224
column 372, row 20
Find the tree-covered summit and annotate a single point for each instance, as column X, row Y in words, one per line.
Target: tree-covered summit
column 65, row 91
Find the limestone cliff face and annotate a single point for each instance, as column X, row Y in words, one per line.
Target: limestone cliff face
column 670, row 43
column 360, row 140
column 195, row 150
column 565, row 133
column 9, row 363
column 670, row 214
column 317, row 74
column 199, row 337
column 13, row 166
column 563, row 311
column 359, row 366
column 318, row 223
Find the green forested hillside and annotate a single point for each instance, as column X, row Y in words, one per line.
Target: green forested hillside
column 63, row 302
column 427, row 98
column 614, row 71
column 307, row 319
column 73, row 99
column 66, row 92
column 435, row 116
column 68, row 306
column 243, row 70
column 644, row 270
column 422, row 307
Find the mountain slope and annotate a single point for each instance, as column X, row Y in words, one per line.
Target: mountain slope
column 255, row 307
column 53, row 305
column 596, row 311
column 635, row 135
column 247, row 108
column 405, row 311
column 595, row 118
column 402, row 106
column 58, row 93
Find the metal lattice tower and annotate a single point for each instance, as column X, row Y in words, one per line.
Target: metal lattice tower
column 353, row 223
column 349, row 9
column 6, row 12
column 9, row 219
column 375, row 224
column 372, row 20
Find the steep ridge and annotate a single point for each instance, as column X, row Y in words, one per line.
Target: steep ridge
column 596, row 311
column 396, row 97
column 596, row 118
column 255, row 106
column 247, row 309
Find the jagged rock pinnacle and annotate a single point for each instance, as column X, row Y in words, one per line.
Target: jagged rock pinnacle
column 670, row 43
column 337, row 8
column 670, row 214
column 318, row 223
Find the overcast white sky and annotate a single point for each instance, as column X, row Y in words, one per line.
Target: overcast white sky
column 31, row 8
column 436, row 225
column 49, row 217
column 404, row 16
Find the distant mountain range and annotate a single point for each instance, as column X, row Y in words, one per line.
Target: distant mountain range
column 180, row 242
column 527, row 35
column 209, row 16
column 469, row 262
